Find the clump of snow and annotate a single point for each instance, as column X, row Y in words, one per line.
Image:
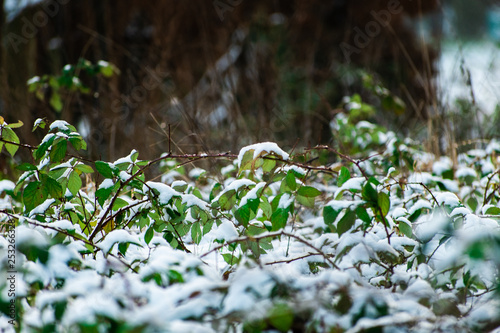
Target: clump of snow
column 235, row 185
column 6, row 185
column 463, row 172
column 264, row 148
column 442, row 165
column 117, row 236
column 447, row 198
column 252, row 194
column 353, row 184
column 196, row 172
column 166, row 193
column 107, row 183
column 60, row 125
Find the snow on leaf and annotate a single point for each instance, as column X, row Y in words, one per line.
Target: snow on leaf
column 60, row 125
column 447, row 198
column 117, row 236
column 235, row 185
column 166, row 193
column 262, row 149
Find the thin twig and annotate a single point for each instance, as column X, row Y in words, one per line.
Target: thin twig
column 275, row 234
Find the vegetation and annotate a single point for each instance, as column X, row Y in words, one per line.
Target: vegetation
column 374, row 234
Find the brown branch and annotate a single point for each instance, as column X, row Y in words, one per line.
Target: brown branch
column 287, row 261
column 275, row 234
column 345, row 157
column 23, row 145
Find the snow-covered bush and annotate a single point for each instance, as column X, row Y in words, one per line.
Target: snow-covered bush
column 393, row 241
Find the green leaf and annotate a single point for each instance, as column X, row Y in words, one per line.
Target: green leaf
column 78, row 143
column 363, row 216
column 148, row 236
column 174, row 276
column 107, row 69
column 215, row 191
column 346, row 222
column 266, row 207
column 34, row 195
column 46, row 143
column 123, row 247
column 493, row 211
column 53, row 187
column 405, row 229
column 230, row 259
column 330, row 215
column 472, row 203
column 55, row 101
column 279, row 219
column 74, row 183
column 102, row 195
column 9, row 135
column 104, row 169
column 242, row 215
column 58, row 151
column 369, row 193
column 476, row 251
column 276, row 201
column 306, row 201
column 247, row 160
column 119, row 203
column 26, row 167
column 207, row 227
column 196, row 232
column 290, row 181
column 227, row 200
column 344, row 176
column 16, row 125
column 269, row 165
column 384, row 203
column 84, row 168
column 308, row 191
column 39, row 123
column 281, row 317
column 253, row 204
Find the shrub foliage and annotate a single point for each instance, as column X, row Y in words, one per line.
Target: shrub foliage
column 388, row 238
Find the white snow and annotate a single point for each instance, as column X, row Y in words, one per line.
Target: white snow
column 124, row 176
column 60, row 125
column 166, row 192
column 355, row 184
column 117, row 236
column 447, row 198
column 191, row 200
column 107, row 183
column 252, row 194
column 264, row 148
column 125, row 159
column 40, row 209
column 235, row 185
column 196, row 172
column 6, row 185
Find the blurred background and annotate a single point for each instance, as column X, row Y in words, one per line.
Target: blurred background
column 214, row 75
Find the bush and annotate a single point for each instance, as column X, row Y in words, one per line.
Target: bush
column 397, row 240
